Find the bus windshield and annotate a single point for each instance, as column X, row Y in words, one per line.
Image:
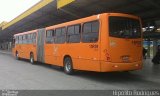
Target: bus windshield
column 123, row 27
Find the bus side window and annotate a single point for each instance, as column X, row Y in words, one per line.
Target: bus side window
column 73, row 34
column 23, row 41
column 16, row 40
column 31, row 38
column 60, row 35
column 90, row 32
column 20, row 40
column 26, row 39
column 34, row 37
column 63, row 36
column 49, row 36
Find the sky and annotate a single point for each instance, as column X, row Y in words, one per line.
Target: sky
column 10, row 9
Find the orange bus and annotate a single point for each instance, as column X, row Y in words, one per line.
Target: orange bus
column 102, row 43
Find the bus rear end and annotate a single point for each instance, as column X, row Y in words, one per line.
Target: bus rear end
column 124, row 46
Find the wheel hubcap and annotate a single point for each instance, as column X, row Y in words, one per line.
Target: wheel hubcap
column 17, row 55
column 68, row 66
column 31, row 59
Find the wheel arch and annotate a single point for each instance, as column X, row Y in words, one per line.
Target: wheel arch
column 31, row 53
column 65, row 56
column 15, row 53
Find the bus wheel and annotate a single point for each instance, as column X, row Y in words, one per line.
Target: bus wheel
column 17, row 56
column 31, row 58
column 68, row 66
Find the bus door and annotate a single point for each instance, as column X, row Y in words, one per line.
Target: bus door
column 125, row 39
column 40, row 45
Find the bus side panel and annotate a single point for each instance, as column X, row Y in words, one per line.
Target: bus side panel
column 25, row 48
column 54, row 54
column 83, row 56
column 60, row 50
column 20, row 50
column 48, row 55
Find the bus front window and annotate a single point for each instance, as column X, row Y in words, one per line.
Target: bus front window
column 123, row 27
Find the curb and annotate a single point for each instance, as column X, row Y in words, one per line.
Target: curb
column 6, row 52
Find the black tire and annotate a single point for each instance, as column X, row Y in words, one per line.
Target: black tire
column 68, row 66
column 17, row 56
column 32, row 59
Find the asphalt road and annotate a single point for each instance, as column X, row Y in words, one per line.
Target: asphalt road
column 21, row 75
